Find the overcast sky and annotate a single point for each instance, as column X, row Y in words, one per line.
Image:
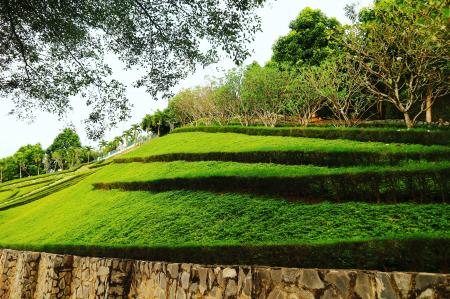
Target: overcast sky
column 275, row 16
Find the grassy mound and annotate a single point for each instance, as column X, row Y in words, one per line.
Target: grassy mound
column 232, row 226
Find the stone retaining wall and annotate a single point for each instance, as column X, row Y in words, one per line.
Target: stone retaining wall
column 42, row 275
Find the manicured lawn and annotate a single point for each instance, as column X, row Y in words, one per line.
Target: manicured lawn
column 141, row 172
column 183, row 218
column 199, row 142
column 200, row 226
column 4, row 194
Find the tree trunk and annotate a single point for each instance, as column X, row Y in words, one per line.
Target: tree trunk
column 428, row 103
column 408, row 121
column 20, row 172
column 380, row 108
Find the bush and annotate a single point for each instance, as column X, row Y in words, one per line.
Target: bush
column 414, row 136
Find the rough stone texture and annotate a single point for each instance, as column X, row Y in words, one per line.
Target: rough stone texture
column 42, row 275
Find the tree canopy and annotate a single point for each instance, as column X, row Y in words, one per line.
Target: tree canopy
column 402, row 48
column 65, row 140
column 311, row 40
column 51, row 50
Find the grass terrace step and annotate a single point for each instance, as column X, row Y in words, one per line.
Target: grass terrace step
column 233, row 228
column 18, row 200
column 419, row 182
column 169, row 225
column 389, row 135
column 199, row 146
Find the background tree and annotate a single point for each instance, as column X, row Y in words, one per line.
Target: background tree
column 46, row 162
column 303, row 101
column 21, row 162
column 264, row 88
column 38, row 156
column 135, row 129
column 313, row 38
column 51, row 50
column 65, row 143
column 403, row 50
column 228, row 93
column 68, row 138
column 336, row 81
column 2, row 168
column 102, row 145
column 127, row 136
column 58, row 159
column 160, row 122
column 88, row 150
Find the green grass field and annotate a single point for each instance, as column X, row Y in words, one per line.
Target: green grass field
column 131, row 172
column 200, row 142
column 200, row 226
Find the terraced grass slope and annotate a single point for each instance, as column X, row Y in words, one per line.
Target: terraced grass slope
column 23, row 191
column 213, row 211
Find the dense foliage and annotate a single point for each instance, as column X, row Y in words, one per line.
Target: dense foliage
column 402, row 50
column 394, row 57
column 51, row 50
column 313, row 38
column 65, row 152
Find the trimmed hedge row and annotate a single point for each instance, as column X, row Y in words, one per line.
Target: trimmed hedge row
column 388, row 186
column 425, row 137
column 414, row 254
column 329, row 159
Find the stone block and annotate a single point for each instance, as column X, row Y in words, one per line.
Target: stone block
column 229, row 273
column 173, row 269
column 425, row 280
column 403, row 282
column 185, row 277
column 340, row 280
column 383, row 285
column 310, row 279
column 290, row 275
column 364, row 287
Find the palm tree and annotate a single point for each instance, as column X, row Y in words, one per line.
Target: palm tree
column 135, row 129
column 126, row 135
column 88, row 151
column 20, row 159
column 117, row 141
column 102, row 144
column 146, row 123
column 38, row 160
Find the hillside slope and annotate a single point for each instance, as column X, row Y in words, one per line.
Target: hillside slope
column 174, row 211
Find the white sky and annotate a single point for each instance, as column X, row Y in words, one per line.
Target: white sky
column 276, row 16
